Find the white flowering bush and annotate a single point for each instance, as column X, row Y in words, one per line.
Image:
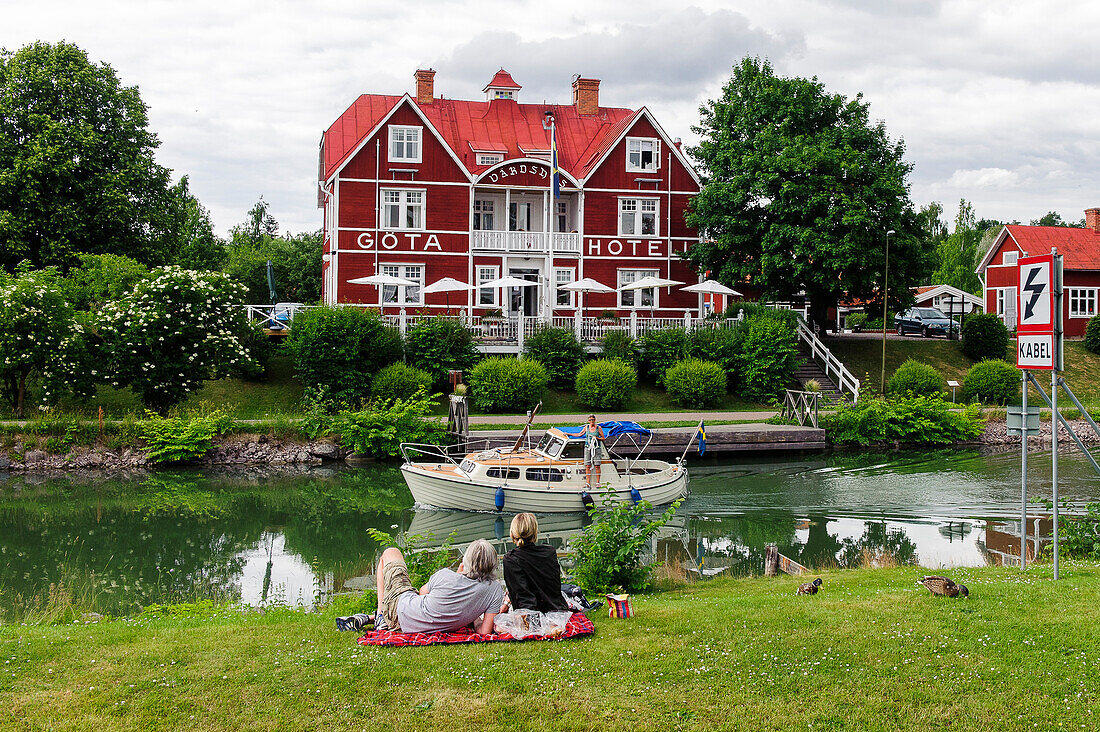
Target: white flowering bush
column 176, row 329
column 43, row 347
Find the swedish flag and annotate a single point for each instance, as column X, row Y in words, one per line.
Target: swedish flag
column 554, row 173
column 702, row 436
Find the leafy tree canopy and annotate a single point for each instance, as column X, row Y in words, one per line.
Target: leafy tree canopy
column 800, row 190
column 296, row 258
column 77, row 173
column 957, row 254
column 1053, row 218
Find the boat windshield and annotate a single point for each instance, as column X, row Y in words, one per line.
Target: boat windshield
column 550, row 445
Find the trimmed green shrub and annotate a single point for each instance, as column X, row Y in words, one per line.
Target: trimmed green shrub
column 439, row 345
column 721, row 345
column 1092, row 334
column 399, row 381
column 618, row 344
column 984, row 336
column 925, row 420
column 503, row 384
column 341, row 349
column 769, row 357
column 606, row 383
column 914, row 378
column 696, row 384
column 660, row 349
column 559, row 351
column 993, row 381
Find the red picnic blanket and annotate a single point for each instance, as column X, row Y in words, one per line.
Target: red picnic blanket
column 578, row 625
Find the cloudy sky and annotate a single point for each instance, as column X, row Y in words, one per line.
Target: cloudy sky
column 997, row 102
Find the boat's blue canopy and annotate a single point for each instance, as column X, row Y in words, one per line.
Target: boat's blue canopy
column 612, row 428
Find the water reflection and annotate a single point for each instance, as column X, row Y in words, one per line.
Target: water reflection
column 292, row 535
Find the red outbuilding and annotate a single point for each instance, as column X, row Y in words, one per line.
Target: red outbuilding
column 422, row 187
column 1080, row 267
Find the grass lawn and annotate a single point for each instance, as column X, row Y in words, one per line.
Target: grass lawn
column 871, row 652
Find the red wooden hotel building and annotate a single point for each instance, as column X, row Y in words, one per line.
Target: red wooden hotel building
column 422, row 187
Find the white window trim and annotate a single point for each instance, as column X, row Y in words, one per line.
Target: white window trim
column 489, row 158
column 404, row 204
column 557, row 289
column 638, row 293
column 637, row 216
column 1079, row 291
column 496, row 275
column 401, row 303
column 656, row 155
column 419, row 144
column 1004, row 257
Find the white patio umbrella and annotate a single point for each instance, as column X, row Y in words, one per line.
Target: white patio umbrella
column 448, row 285
column 709, row 287
column 586, row 285
column 650, row 281
column 383, row 279
column 508, row 282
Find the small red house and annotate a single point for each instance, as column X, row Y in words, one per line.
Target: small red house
column 1080, row 269
column 424, row 187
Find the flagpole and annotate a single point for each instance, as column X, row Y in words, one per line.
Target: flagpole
column 551, row 280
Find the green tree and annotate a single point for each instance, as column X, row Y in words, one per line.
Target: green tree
column 77, row 173
column 1053, row 218
column 41, row 342
column 295, row 258
column 800, row 188
column 956, row 256
column 197, row 246
column 100, row 278
column 176, row 329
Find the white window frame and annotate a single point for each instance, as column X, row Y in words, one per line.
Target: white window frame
column 489, row 158
column 495, row 274
column 561, row 211
column 1078, row 296
column 633, row 206
column 625, row 277
column 1015, row 255
column 563, row 276
column 405, row 200
column 484, row 207
column 400, row 294
column 503, row 94
column 634, row 146
column 399, row 136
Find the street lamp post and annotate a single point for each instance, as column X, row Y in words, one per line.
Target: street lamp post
column 885, row 292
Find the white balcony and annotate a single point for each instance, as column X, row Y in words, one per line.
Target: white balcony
column 525, row 241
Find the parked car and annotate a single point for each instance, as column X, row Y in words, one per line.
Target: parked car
column 926, row 321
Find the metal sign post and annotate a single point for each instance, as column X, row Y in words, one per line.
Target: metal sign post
column 1056, row 277
column 1023, row 479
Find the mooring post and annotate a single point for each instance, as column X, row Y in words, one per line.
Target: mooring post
column 771, row 560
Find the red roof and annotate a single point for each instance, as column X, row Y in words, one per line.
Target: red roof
column 502, row 80
column 1081, row 247
column 500, row 124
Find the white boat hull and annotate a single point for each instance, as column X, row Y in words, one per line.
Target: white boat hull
column 451, row 489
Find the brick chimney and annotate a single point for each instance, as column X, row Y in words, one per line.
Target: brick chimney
column 425, row 86
column 586, row 95
column 1092, row 219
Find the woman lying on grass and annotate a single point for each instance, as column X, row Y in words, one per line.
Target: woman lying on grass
column 449, row 601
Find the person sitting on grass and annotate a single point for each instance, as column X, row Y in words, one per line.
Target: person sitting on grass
column 449, row 601
column 531, row 571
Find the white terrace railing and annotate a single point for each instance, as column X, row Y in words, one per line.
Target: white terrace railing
column 537, row 242
column 830, row 364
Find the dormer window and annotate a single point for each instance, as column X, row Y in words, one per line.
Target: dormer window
column 643, row 154
column 503, row 94
column 405, row 144
column 489, row 158
column 501, row 86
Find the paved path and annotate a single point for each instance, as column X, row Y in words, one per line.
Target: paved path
column 643, row 418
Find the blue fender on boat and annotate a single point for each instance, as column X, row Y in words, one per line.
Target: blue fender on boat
column 635, row 496
column 499, row 498
column 586, row 500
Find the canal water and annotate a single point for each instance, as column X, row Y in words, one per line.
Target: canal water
column 262, row 536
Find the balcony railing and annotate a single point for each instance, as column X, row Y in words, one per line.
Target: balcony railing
column 526, row 241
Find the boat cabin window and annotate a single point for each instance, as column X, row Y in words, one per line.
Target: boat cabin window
column 574, row 449
column 506, row 473
column 467, row 466
column 545, row 475
column 550, row 445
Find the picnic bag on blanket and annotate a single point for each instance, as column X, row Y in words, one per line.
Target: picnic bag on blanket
column 526, row 623
column 618, row 606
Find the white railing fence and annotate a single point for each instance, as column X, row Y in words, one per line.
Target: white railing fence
column 830, row 364
column 538, row 242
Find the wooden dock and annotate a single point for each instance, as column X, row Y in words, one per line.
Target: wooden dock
column 723, row 439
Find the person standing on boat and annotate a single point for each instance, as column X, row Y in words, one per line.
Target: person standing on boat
column 593, row 450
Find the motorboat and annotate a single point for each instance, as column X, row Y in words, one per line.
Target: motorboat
column 549, row 477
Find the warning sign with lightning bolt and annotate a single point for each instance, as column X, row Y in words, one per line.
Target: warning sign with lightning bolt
column 1036, row 307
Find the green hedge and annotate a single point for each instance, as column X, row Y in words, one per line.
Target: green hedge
column 993, row 381
column 925, row 420
column 914, row 378
column 618, row 344
column 1092, row 334
column 439, row 345
column 606, row 383
column 399, row 381
column 502, row 384
column 721, row 345
column 660, row 350
column 984, row 336
column 696, row 384
column 559, row 351
column 769, row 357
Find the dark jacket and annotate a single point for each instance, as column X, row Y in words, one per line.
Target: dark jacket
column 533, row 577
